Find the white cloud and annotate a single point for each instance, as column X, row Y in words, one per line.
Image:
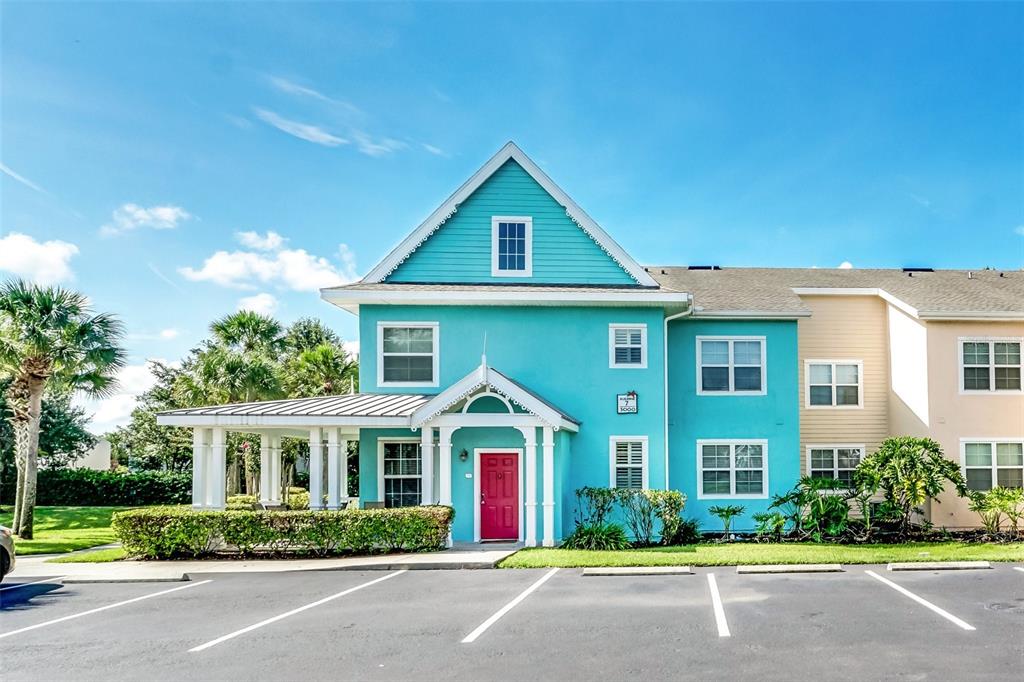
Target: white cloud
column 162, row 335
column 130, row 217
column 271, row 241
column 293, row 88
column 22, row 179
column 846, row 265
column 115, row 410
column 436, row 151
column 260, row 303
column 294, row 269
column 42, row 262
column 170, row 333
column 1020, row 230
column 351, row 347
column 303, row 131
column 381, row 147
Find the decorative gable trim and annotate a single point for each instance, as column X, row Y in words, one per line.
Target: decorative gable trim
column 446, row 210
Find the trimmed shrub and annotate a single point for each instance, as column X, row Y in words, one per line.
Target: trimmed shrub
column 607, row 536
column 687, row 533
column 242, row 503
column 88, row 488
column 298, row 499
column 169, row 532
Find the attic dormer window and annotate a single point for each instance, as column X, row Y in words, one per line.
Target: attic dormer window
column 511, row 246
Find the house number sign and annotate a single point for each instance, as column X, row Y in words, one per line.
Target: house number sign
column 626, row 403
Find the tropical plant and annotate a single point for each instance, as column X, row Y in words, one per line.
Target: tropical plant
column 770, row 525
column 686, row 533
column 592, row 536
column 998, row 505
column 909, row 472
column 49, row 339
column 322, row 370
column 726, row 514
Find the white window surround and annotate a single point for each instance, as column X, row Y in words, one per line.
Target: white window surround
column 380, row 461
column 991, row 341
column 436, row 353
column 860, row 384
column 994, row 467
column 620, row 326
column 732, row 366
column 528, row 270
column 835, row 448
column 732, row 443
column 613, row 466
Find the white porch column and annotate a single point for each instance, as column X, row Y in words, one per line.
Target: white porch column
column 444, row 445
column 265, row 469
column 274, row 495
column 530, row 485
column 333, row 469
column 549, row 487
column 427, row 464
column 200, row 466
column 217, row 480
column 316, row 469
column 343, row 465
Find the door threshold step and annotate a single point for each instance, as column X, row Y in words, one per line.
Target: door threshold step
column 791, row 568
column 637, row 570
column 938, row 566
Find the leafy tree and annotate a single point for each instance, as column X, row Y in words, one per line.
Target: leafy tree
column 307, row 333
column 909, row 472
column 141, row 444
column 49, row 339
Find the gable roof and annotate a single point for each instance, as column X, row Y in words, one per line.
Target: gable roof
column 776, row 292
column 384, row 409
column 445, row 211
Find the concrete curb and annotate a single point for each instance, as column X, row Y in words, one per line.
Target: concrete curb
column 638, row 570
column 938, row 566
column 85, row 580
column 791, row 568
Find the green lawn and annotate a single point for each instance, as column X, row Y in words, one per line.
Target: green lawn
column 65, row 529
column 736, row 554
column 99, row 556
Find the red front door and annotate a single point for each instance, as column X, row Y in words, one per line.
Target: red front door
column 499, row 496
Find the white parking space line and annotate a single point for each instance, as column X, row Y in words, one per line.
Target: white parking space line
column 716, row 603
column 268, row 621
column 923, row 602
column 1019, row 568
column 102, row 608
column 37, row 582
column 482, row 628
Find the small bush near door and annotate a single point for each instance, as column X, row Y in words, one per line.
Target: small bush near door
column 170, row 532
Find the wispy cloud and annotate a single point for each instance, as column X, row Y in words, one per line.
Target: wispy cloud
column 22, row 179
column 1020, row 230
column 162, row 335
column 379, row 147
column 41, row 262
column 292, row 88
column 130, row 217
column 846, row 265
column 238, row 121
column 436, row 151
column 303, row 131
column 924, row 202
column 156, row 271
column 271, row 241
column 263, row 303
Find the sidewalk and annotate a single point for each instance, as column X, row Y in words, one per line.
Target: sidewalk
column 128, row 571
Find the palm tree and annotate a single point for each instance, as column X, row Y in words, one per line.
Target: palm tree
column 323, row 370
column 49, row 339
column 241, row 363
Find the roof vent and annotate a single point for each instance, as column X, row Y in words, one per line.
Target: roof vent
column 918, row 269
column 703, row 267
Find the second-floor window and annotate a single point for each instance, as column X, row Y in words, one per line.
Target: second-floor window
column 834, row 383
column 731, row 365
column 407, row 354
column 511, row 246
column 990, row 365
column 627, row 346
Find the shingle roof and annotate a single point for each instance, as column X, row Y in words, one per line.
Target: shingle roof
column 351, row 405
column 770, row 290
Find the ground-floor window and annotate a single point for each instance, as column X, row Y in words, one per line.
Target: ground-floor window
column 402, row 470
column 732, row 468
column 629, row 462
column 993, row 463
column 834, row 461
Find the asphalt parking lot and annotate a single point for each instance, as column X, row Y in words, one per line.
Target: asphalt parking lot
column 865, row 623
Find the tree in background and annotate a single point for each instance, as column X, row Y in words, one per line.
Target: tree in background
column 141, row 444
column 49, row 340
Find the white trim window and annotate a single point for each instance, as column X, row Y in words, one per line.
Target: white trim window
column 731, row 365
column 834, row 383
column 511, row 246
column 401, row 473
column 628, row 462
column 836, row 462
column 407, row 353
column 993, row 462
column 627, row 346
column 732, row 469
column 990, row 365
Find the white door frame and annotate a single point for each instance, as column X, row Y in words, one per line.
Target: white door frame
column 476, row 488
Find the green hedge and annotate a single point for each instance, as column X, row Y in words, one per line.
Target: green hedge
column 169, row 532
column 87, row 487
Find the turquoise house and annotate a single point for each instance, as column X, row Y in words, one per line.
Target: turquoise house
column 513, row 352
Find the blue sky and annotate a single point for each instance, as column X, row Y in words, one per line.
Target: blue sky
column 148, row 149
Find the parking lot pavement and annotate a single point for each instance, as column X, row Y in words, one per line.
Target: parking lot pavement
column 533, row 624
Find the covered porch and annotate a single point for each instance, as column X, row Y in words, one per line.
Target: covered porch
column 487, row 446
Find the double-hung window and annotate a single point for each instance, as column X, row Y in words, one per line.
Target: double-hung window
column 511, row 246
column 736, row 468
column 628, row 462
column 834, row 383
column 401, row 473
column 990, row 365
column 993, row 463
column 731, row 365
column 627, row 346
column 407, row 353
column 836, row 462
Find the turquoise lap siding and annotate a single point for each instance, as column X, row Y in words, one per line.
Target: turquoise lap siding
column 773, row 417
column 460, row 250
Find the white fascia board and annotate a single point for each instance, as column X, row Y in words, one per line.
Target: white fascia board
column 971, row 316
column 243, row 421
column 516, row 394
column 750, row 314
column 858, row 291
column 351, row 299
column 448, row 397
column 510, row 151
